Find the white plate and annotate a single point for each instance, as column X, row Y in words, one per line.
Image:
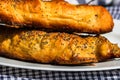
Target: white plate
column 113, row 36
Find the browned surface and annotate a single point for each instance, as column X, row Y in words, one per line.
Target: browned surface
column 60, row 48
column 56, row 15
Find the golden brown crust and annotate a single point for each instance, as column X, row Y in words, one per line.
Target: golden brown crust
column 51, row 47
column 56, row 15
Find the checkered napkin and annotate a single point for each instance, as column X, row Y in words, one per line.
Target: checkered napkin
column 115, row 11
column 10, row 73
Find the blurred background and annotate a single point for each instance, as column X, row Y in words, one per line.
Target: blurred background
column 96, row 2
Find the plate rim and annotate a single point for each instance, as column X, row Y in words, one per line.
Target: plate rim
column 65, row 68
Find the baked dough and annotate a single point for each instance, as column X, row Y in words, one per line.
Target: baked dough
column 55, row 47
column 56, row 15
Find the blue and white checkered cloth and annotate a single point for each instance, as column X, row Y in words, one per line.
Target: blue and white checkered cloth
column 115, row 11
column 10, row 73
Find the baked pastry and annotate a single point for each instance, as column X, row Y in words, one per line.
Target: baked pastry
column 56, row 15
column 55, row 47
